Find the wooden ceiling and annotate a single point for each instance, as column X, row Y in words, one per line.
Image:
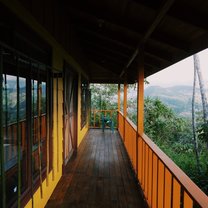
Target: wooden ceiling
column 113, row 32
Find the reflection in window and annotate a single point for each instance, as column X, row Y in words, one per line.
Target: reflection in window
column 10, row 135
column 35, row 100
column 39, row 126
column 26, row 154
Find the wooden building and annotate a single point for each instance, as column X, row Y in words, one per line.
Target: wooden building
column 49, row 53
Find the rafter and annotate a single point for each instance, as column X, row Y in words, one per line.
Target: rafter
column 157, row 58
column 104, row 48
column 111, row 66
column 104, row 56
column 104, row 38
column 113, row 31
column 161, row 39
column 150, row 30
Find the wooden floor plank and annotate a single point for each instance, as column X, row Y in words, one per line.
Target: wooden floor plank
column 99, row 175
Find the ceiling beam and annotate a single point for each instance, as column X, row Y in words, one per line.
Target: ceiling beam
column 157, row 20
column 104, row 38
column 200, row 43
column 96, row 67
column 113, row 67
column 104, row 56
column 133, row 33
column 88, row 20
column 150, row 30
column 104, row 48
column 158, row 58
column 165, row 41
column 151, row 70
column 159, row 52
column 129, row 34
column 192, row 16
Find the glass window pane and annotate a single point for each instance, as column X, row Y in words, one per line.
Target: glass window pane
column 11, row 137
column 39, row 126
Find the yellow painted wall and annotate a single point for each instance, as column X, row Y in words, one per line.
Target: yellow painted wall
column 56, row 173
column 59, row 55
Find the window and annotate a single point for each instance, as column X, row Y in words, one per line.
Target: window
column 14, row 117
column 38, row 126
column 84, row 101
column 26, row 106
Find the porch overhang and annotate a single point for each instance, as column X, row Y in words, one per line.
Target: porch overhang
column 109, row 37
column 113, row 33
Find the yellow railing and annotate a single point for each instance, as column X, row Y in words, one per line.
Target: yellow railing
column 164, row 184
column 96, row 117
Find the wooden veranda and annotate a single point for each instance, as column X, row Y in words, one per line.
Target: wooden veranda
column 99, row 176
column 50, row 51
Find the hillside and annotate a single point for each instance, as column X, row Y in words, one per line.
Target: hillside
column 179, row 98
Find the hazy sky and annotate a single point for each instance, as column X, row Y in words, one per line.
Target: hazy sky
column 180, row 73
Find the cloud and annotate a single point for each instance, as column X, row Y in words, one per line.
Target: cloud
column 180, row 73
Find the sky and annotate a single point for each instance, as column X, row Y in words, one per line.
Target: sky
column 180, row 73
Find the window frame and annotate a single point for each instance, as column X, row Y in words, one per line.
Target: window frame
column 23, row 70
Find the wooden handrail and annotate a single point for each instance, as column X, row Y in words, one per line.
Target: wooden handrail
column 97, row 122
column 197, row 194
column 191, row 193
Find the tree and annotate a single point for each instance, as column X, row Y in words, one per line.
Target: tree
column 172, row 133
column 194, row 121
column 162, row 124
column 201, row 85
column 203, row 130
column 104, row 96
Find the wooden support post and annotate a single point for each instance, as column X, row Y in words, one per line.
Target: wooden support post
column 119, row 104
column 47, row 129
column 119, row 97
column 140, row 102
column 57, row 120
column 39, row 96
column 3, row 181
column 18, row 139
column 125, row 100
column 125, row 107
column 30, row 124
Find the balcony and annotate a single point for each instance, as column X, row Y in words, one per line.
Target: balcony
column 52, row 50
column 99, row 176
column 123, row 168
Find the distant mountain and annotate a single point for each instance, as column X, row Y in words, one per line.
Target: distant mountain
column 179, row 98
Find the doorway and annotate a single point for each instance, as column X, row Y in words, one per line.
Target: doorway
column 70, row 112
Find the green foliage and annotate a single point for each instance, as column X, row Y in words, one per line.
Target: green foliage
column 162, row 124
column 104, row 96
column 184, row 156
column 171, row 132
column 173, row 135
column 202, row 131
